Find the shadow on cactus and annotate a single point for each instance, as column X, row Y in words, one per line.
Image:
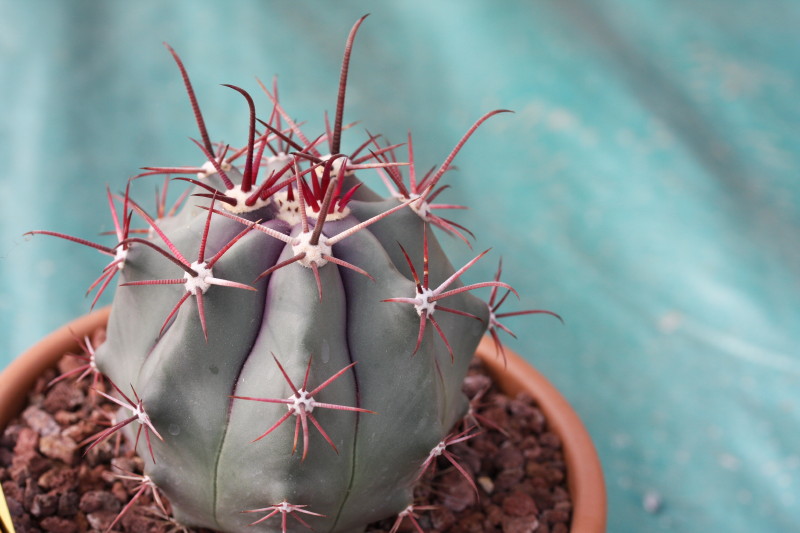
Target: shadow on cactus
column 285, row 294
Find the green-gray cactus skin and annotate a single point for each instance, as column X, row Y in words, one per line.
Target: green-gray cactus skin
column 195, row 361
column 207, row 464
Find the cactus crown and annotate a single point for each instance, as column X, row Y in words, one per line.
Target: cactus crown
column 286, row 291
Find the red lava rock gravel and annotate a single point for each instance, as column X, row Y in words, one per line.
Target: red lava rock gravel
column 518, row 476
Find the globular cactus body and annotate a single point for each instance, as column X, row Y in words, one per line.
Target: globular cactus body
column 207, row 464
column 295, row 347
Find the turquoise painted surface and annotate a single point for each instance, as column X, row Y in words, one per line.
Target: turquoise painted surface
column 646, row 189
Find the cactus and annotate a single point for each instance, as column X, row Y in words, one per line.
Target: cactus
column 287, row 348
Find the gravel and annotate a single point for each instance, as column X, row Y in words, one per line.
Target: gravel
column 511, row 475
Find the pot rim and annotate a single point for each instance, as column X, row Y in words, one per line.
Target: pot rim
column 584, row 472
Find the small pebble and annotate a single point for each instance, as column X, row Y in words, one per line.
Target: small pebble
column 27, row 441
column 486, row 483
column 58, row 478
column 457, row 493
column 59, row 447
column 63, row 395
column 68, row 504
column 40, row 421
column 101, row 520
column 550, row 440
column 12, row 490
column 56, row 524
column 553, row 516
column 97, row 500
column 6, row 458
column 509, row 457
column 10, row 434
column 442, row 518
column 44, row 505
column 519, row 504
column 517, row 524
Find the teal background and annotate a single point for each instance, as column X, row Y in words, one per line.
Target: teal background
column 646, row 189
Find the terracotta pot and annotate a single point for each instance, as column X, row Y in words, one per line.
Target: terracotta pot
column 584, row 474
